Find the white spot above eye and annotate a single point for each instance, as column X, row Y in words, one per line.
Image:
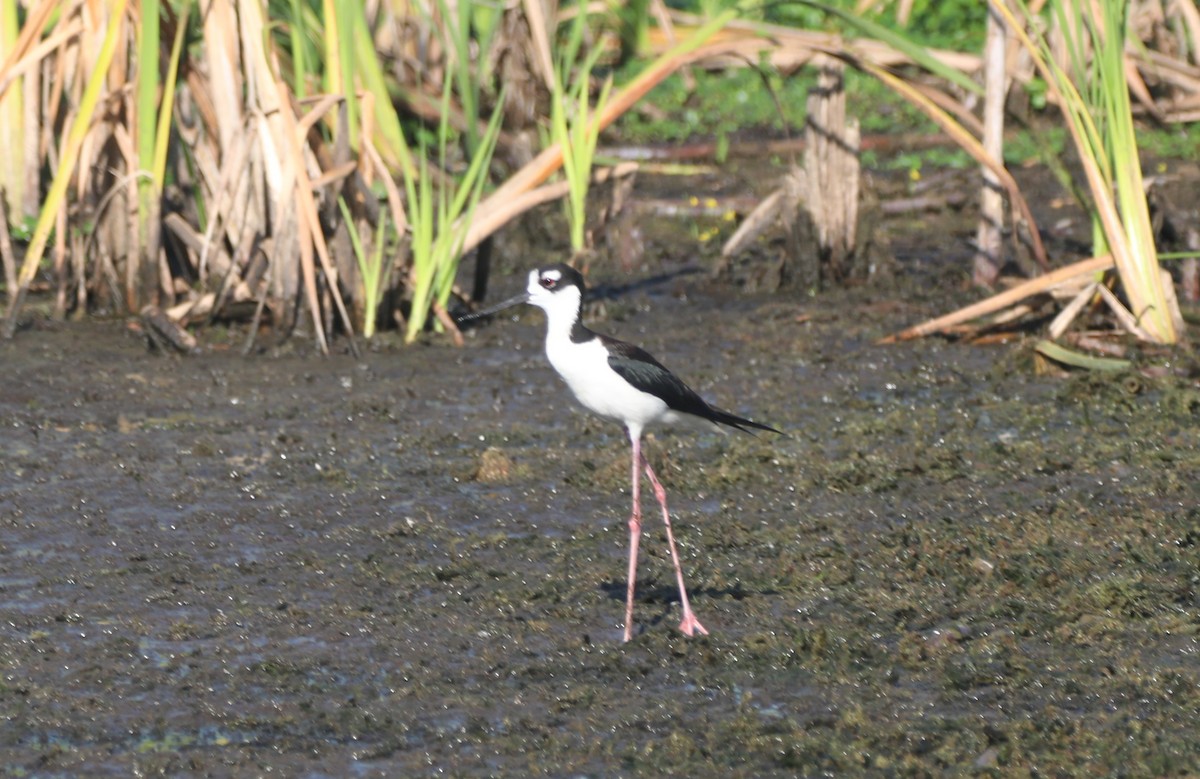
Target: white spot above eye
column 552, row 275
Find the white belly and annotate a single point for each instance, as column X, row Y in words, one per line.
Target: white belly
column 584, row 367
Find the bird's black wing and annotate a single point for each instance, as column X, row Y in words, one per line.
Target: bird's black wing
column 639, row 368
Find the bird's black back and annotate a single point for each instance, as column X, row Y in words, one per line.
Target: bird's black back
column 638, row 367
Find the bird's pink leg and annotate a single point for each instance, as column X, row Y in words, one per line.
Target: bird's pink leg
column 635, row 534
column 690, row 625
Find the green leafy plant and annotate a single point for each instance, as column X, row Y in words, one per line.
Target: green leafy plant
column 440, row 217
column 575, row 127
column 332, row 46
column 370, row 268
column 465, row 25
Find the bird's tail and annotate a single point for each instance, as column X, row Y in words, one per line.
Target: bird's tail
column 741, row 423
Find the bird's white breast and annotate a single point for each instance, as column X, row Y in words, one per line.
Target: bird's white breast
column 585, row 369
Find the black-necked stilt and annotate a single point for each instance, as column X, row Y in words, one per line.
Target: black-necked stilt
column 622, row 382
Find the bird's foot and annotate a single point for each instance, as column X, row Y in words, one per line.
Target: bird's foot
column 691, row 626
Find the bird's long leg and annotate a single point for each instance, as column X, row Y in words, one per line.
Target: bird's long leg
column 690, row 625
column 635, row 532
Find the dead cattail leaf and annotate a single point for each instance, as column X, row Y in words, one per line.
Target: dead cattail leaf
column 1003, row 299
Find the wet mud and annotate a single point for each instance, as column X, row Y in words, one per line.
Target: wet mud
column 412, row 564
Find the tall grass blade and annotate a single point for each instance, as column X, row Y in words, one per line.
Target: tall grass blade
column 572, row 127
column 370, row 268
column 339, row 59
column 300, row 68
column 391, row 144
column 162, row 134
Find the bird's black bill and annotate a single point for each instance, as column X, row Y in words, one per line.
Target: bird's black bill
column 515, row 301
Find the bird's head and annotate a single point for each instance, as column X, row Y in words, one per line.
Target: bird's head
column 556, row 289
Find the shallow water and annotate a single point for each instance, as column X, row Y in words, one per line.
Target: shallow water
column 413, row 564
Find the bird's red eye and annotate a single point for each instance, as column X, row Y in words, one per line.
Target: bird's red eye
column 547, row 282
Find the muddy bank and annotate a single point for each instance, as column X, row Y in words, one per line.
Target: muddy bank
column 413, row 564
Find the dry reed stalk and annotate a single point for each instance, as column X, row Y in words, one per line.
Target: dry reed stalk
column 1126, row 319
column 972, row 146
column 223, row 195
column 1065, row 317
column 538, row 15
column 32, row 135
column 989, row 246
column 34, row 24
column 286, row 167
column 395, row 201
column 1004, row 299
column 241, row 177
column 268, row 109
column 223, row 67
column 311, row 222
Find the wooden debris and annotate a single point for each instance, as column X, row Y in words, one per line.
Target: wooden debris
column 764, row 216
column 164, row 334
column 832, row 172
column 817, row 205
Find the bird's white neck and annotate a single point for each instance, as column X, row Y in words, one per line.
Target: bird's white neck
column 563, row 311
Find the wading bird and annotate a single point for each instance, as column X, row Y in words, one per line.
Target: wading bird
column 624, row 383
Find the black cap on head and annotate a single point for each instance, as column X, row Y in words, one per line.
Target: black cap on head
column 560, row 275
